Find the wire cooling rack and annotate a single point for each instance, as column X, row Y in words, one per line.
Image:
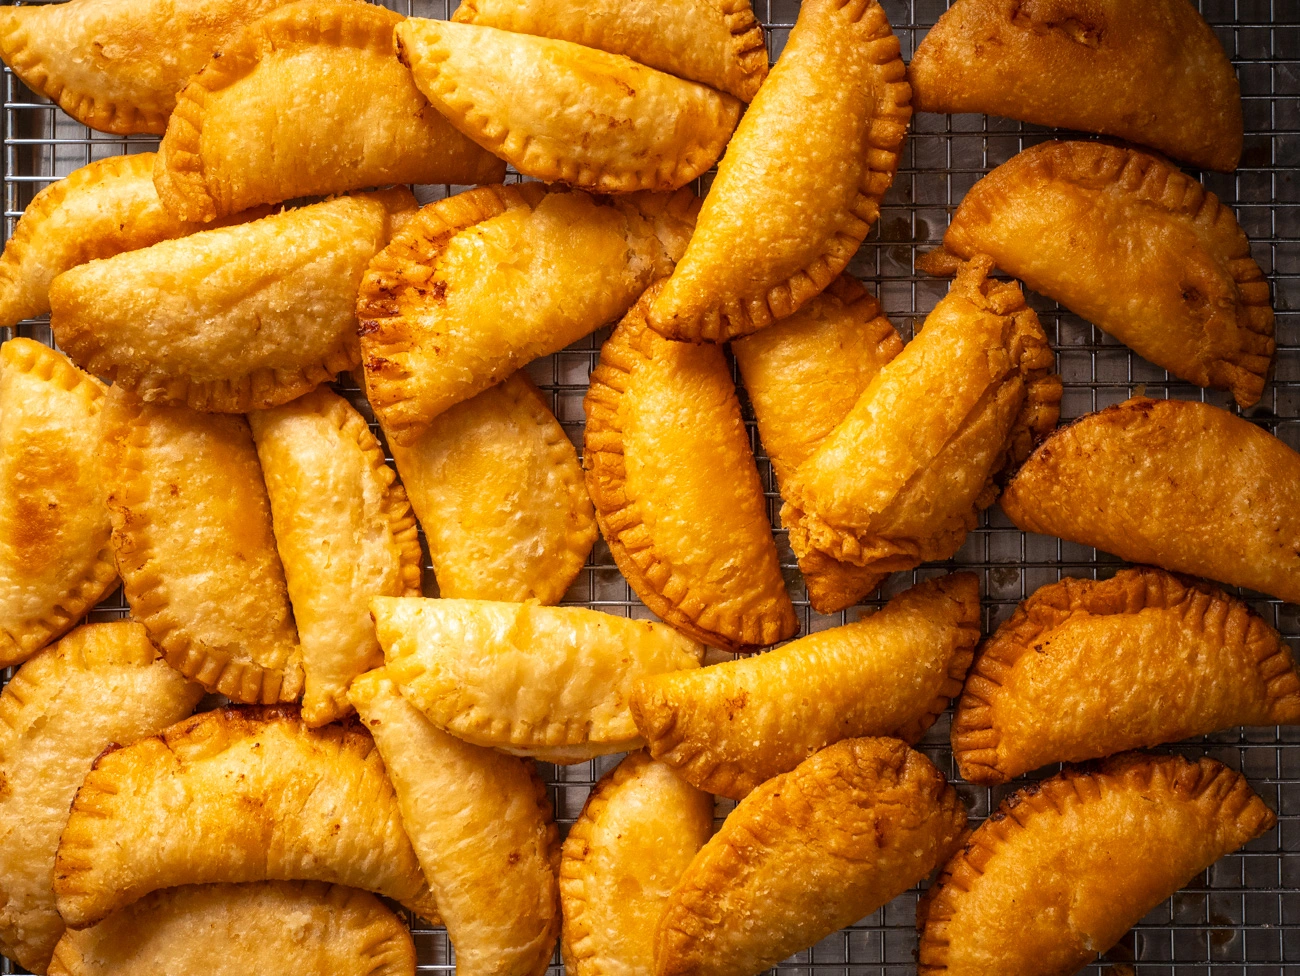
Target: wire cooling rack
column 1243, row 914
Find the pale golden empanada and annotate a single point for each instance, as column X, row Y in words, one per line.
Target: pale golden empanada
column 310, row 99
column 193, row 541
column 497, row 486
column 801, row 183
column 807, row 853
column 1133, row 245
column 230, row 319
column 547, row 682
column 481, row 283
column 677, row 495
column 1181, row 485
column 481, row 825
column 1062, row 870
column 902, row 479
column 803, row 376
column 1151, row 72
column 562, row 112
column 301, row 927
column 100, row 685
column 232, row 795
column 55, row 558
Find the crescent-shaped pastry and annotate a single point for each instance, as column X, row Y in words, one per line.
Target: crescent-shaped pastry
column 902, row 479
column 481, row 825
column 1151, row 72
column 565, row 113
column 483, row 282
column 638, row 832
column 231, row 319
column 1065, row 867
column 193, row 540
column 801, row 183
column 1135, row 246
column 678, row 498
column 100, row 685
column 497, row 486
column 807, row 853
column 233, row 795
column 308, row 100
column 731, row 726
column 55, row 558
column 1180, row 485
column 344, row 532
column 547, row 682
column 1130, row 662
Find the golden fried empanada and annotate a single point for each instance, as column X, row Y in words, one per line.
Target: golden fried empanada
column 1181, row 485
column 639, row 830
column 807, row 853
column 102, row 684
column 902, row 479
column 565, row 113
column 481, row 825
column 481, row 283
column 236, row 794
column 225, row 320
column 1133, row 245
column 1062, row 870
column 310, row 99
column 801, row 183
column 548, row 682
column 193, row 541
column 302, row 927
column 497, row 486
column 1151, row 72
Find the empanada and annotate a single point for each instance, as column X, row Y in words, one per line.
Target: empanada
column 548, row 682
column 230, row 319
column 497, row 486
column 639, row 830
column 1151, row 72
column 344, row 532
column 678, row 498
column 236, row 794
column 902, row 479
column 801, row 183
column 482, row 826
column 301, row 927
column 807, row 853
column 1062, row 870
column 803, row 376
column 565, row 113
column 100, row 685
column 1134, row 661
column 193, row 541
column 730, row 726
column 310, row 99
column 1181, row 485
column 1133, row 245
column 55, row 558
column 481, row 283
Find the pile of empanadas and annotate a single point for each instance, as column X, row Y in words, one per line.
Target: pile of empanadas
column 356, row 737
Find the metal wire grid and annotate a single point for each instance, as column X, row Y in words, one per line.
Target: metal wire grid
column 1243, row 914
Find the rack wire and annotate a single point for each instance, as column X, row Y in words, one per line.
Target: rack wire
column 1240, row 916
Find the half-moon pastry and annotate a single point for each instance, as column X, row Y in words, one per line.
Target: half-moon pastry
column 55, row 558
column 802, row 180
column 547, row 682
column 1151, row 72
column 102, row 684
column 1180, row 485
column 1063, row 869
column 565, row 113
